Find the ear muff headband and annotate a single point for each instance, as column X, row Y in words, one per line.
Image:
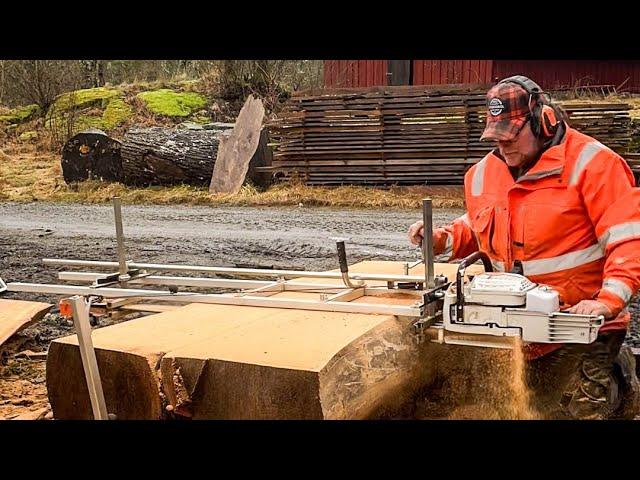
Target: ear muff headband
column 544, row 122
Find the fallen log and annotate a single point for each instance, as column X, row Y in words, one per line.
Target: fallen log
column 167, row 156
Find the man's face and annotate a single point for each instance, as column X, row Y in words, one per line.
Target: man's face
column 520, row 149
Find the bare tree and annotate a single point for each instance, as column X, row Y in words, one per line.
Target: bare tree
column 272, row 80
column 93, row 72
column 2, row 64
column 41, row 81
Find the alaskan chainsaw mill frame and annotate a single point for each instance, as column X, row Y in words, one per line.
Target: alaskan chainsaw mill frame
column 332, row 297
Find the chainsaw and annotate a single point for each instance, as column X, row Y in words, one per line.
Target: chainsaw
column 500, row 304
column 491, row 308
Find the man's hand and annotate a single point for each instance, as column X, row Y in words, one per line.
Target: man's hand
column 591, row 307
column 416, row 233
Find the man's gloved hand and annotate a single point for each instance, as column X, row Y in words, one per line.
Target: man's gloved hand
column 416, row 233
column 416, row 236
column 591, row 307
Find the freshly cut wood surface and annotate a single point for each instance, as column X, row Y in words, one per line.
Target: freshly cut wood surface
column 17, row 314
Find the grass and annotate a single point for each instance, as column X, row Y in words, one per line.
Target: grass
column 27, row 175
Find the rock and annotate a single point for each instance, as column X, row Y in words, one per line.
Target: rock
column 28, row 136
column 49, row 416
column 21, row 114
column 22, row 402
column 168, row 103
column 116, row 113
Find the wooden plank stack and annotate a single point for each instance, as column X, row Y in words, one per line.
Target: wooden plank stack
column 402, row 135
column 633, row 159
column 607, row 122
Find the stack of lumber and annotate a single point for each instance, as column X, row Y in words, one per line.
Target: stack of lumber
column 403, row 135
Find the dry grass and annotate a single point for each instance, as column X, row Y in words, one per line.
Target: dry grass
column 29, row 173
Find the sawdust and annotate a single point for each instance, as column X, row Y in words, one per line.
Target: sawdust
column 20, row 395
column 478, row 384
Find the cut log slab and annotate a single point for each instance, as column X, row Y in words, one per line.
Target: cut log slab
column 235, row 362
column 237, row 150
column 17, row 314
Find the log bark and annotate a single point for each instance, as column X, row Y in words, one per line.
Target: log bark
column 156, row 156
column 91, row 155
column 167, row 156
column 234, row 362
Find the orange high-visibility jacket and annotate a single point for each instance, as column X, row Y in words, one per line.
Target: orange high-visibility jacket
column 573, row 220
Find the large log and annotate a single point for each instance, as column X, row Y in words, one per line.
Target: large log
column 91, row 155
column 234, row 362
column 168, row 156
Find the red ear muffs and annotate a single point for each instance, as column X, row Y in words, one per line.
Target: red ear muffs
column 548, row 121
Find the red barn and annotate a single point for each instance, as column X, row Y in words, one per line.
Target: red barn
column 550, row 74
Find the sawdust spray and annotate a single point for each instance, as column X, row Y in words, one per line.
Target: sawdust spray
column 479, row 383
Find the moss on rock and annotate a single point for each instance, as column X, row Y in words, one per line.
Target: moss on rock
column 168, row 103
column 20, row 114
column 116, row 113
column 88, row 97
column 28, row 136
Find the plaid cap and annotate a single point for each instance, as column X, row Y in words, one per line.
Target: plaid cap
column 507, row 111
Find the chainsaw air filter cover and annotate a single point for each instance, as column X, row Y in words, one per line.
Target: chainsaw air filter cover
column 499, row 288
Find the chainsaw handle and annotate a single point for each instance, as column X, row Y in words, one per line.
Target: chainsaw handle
column 342, row 257
column 470, row 260
column 473, row 258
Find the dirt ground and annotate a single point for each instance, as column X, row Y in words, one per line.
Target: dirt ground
column 289, row 237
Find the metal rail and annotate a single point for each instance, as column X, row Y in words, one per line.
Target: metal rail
column 414, row 310
column 251, row 272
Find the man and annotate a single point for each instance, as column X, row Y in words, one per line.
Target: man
column 562, row 209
